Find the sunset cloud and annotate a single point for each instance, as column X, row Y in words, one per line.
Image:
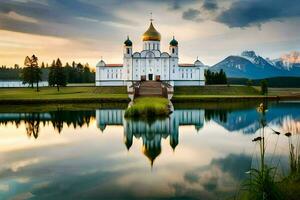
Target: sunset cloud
column 89, row 29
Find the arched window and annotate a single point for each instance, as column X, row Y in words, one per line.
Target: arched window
column 173, row 50
column 128, row 51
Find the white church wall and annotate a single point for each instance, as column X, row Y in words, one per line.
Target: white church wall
column 111, row 83
column 189, row 83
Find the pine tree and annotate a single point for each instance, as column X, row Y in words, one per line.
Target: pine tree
column 32, row 73
column 215, row 77
column 51, row 75
column 207, row 75
column 264, row 87
column 57, row 76
column 249, row 83
column 61, row 79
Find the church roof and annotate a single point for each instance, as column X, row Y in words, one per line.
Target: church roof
column 101, row 63
column 186, row 65
column 151, row 34
column 114, row 65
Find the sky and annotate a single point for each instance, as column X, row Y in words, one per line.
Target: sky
column 87, row 30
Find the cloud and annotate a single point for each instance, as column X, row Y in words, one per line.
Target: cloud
column 203, row 13
column 4, row 187
column 244, row 13
column 178, row 4
column 221, row 175
column 16, row 16
column 192, row 14
column 55, row 17
column 256, row 12
column 210, row 5
column 191, row 177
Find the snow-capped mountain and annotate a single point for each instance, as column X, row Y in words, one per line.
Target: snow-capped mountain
column 249, row 65
column 288, row 61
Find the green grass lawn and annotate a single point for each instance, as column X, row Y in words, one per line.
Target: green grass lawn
column 284, row 91
column 215, row 93
column 216, row 90
column 146, row 107
column 232, row 93
column 51, row 93
column 103, row 94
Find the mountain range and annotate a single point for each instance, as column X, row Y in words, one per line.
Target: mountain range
column 252, row 66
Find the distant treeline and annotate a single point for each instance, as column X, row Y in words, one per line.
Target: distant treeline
column 215, row 78
column 293, row 82
column 75, row 73
column 13, row 73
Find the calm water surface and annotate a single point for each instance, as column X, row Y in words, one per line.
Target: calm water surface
column 97, row 154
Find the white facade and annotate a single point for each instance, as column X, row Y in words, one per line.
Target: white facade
column 150, row 64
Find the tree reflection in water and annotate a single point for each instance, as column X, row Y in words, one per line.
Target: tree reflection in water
column 153, row 132
column 58, row 118
column 32, row 124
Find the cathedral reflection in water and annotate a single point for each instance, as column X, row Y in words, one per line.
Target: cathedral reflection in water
column 151, row 133
column 281, row 116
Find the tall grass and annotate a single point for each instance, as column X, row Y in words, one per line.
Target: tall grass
column 147, row 107
column 294, row 156
column 262, row 183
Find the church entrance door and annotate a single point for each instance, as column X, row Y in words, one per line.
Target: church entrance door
column 150, row 77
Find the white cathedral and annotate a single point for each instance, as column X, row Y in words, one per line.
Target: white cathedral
column 150, row 65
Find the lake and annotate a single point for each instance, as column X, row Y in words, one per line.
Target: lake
column 19, row 84
column 199, row 153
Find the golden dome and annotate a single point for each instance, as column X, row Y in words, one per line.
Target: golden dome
column 151, row 34
column 151, row 153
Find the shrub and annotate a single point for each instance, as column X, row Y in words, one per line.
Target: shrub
column 147, row 107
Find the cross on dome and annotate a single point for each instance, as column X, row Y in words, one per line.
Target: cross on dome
column 151, row 34
column 151, row 17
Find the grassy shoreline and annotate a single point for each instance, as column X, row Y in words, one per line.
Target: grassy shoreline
column 220, row 98
column 49, row 95
column 147, row 107
column 92, row 95
column 214, row 93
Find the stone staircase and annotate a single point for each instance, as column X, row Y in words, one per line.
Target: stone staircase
column 150, row 88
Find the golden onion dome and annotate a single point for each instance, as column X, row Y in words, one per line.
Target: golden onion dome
column 151, row 153
column 151, row 34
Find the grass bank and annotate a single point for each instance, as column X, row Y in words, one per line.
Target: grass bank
column 217, row 90
column 223, row 93
column 36, row 108
column 65, row 95
column 147, row 107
